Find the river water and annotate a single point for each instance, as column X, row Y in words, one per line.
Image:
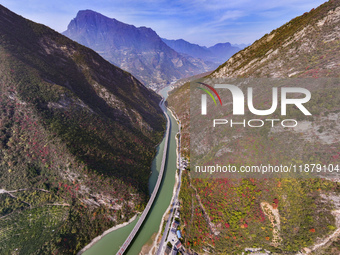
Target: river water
column 111, row 242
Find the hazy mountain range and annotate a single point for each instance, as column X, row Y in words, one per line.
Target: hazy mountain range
column 216, row 54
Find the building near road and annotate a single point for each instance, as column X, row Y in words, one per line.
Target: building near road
column 179, row 234
column 177, row 213
column 178, row 245
column 167, row 250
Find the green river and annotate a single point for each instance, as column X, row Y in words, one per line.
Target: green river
column 111, row 242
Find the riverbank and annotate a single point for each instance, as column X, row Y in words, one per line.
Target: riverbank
column 96, row 239
column 112, row 242
column 156, row 241
column 154, row 247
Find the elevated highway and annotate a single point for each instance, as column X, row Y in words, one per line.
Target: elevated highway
column 129, row 239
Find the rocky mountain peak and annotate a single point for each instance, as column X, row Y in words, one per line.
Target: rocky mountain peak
column 138, row 50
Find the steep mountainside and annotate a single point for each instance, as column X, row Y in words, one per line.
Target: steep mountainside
column 278, row 215
column 137, row 50
column 306, row 46
column 77, row 137
column 217, row 54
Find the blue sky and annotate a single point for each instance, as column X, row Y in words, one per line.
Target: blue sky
column 205, row 22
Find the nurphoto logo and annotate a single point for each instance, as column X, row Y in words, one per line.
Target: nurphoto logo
column 238, row 102
column 263, row 127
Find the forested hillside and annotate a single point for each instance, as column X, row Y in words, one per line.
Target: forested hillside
column 77, row 137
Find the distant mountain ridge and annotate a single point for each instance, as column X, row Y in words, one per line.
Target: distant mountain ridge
column 219, row 53
column 137, row 50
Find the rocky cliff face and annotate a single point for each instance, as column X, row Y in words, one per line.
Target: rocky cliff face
column 137, row 50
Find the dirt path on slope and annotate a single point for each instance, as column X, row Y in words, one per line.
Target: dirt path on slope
column 274, row 218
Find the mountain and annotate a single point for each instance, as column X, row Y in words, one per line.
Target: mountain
column 305, row 46
column 77, row 137
column 217, row 54
column 223, row 51
column 292, row 50
column 185, row 47
column 137, row 50
column 232, row 215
